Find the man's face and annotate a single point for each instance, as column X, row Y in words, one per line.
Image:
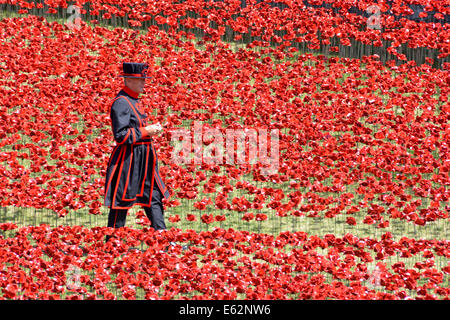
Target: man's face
column 135, row 84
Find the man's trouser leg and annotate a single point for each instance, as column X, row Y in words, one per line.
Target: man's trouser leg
column 116, row 219
column 155, row 213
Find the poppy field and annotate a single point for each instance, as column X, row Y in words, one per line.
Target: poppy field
column 359, row 205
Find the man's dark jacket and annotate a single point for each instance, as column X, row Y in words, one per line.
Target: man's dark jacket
column 133, row 165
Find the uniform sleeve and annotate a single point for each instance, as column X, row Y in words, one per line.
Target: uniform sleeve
column 120, row 120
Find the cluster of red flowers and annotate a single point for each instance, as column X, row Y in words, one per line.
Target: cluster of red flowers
column 39, row 262
column 356, row 137
column 297, row 22
column 356, row 129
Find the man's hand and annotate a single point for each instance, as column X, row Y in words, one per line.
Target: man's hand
column 154, row 129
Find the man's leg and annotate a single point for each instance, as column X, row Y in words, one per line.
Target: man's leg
column 155, row 213
column 116, row 219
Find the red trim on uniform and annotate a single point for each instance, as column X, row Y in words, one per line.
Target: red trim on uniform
column 128, row 179
column 151, row 189
column 145, row 173
column 159, row 181
column 112, row 175
column 139, row 108
column 153, row 174
column 112, row 153
column 143, row 181
column 115, row 99
column 130, row 92
column 118, row 178
column 125, row 138
column 115, row 218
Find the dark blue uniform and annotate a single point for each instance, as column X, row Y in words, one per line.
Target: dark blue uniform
column 132, row 175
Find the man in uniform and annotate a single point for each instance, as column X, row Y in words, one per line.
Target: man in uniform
column 132, row 175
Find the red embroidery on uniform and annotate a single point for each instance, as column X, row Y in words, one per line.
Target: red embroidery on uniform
column 121, row 160
column 112, row 174
column 153, row 173
column 128, row 178
column 125, row 138
column 145, row 173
